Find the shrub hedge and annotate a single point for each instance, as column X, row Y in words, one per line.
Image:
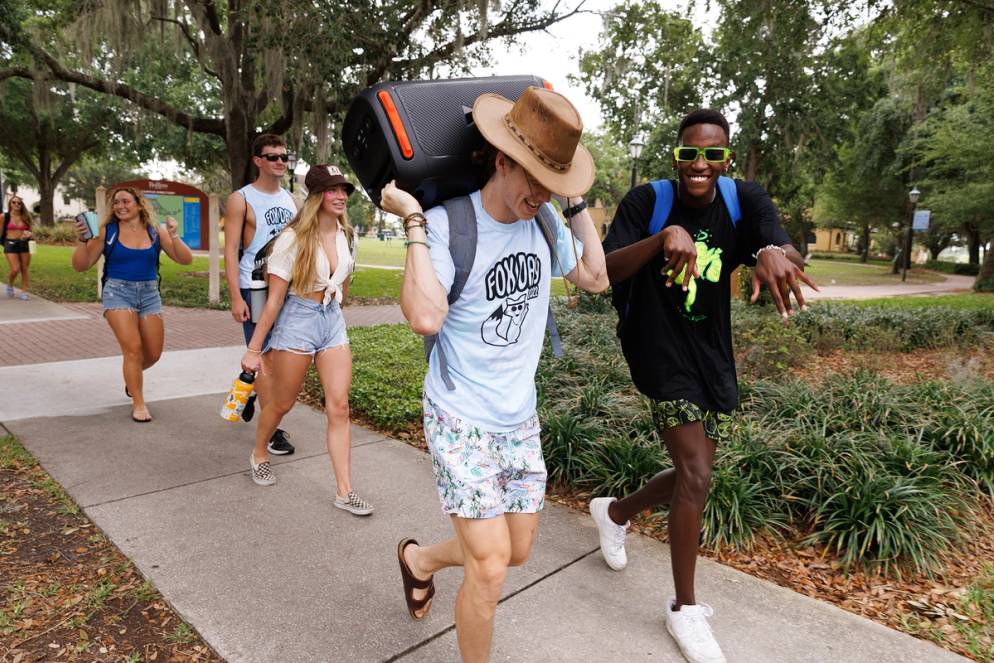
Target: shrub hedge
column 963, row 268
column 888, row 476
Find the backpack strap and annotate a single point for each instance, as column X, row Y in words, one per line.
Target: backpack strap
column 462, row 248
column 110, row 241
column 730, row 195
column 664, row 203
column 462, row 241
column 548, row 222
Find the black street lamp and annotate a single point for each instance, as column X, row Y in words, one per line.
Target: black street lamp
column 635, row 150
column 913, row 197
column 291, row 165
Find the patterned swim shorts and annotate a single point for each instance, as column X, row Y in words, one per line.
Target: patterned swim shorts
column 481, row 474
column 717, row 425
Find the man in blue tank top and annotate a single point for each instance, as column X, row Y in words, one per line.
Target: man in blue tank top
column 255, row 214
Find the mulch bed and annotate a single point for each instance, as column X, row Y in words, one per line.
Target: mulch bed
column 66, row 592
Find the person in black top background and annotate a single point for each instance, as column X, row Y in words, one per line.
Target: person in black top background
column 673, row 289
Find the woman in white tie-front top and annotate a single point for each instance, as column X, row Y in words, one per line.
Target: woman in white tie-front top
column 309, row 270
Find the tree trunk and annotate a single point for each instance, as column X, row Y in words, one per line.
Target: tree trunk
column 46, row 189
column 752, row 163
column 864, row 249
column 973, row 243
column 985, row 279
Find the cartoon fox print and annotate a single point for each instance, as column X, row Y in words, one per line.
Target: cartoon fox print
column 503, row 327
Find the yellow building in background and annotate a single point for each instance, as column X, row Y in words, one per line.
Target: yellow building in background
column 833, row 240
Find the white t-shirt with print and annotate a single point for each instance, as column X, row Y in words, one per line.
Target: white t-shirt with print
column 493, row 334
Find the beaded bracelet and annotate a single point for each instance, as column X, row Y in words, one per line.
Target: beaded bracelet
column 767, row 247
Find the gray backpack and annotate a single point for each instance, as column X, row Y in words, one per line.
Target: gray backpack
column 462, row 248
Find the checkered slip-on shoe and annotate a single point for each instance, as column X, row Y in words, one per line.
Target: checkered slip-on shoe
column 354, row 504
column 262, row 473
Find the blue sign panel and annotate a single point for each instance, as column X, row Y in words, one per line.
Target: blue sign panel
column 191, row 222
column 919, row 223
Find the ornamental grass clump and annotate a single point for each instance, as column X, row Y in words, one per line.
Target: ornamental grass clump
column 618, row 465
column 877, row 518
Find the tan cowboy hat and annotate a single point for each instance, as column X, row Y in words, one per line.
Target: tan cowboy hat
column 541, row 131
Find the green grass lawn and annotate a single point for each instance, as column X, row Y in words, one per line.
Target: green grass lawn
column 53, row 278
column 844, row 272
column 966, row 301
column 389, row 253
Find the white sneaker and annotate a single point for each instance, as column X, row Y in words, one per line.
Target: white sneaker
column 689, row 627
column 612, row 535
column 262, row 473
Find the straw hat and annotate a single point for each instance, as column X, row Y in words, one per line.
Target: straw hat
column 541, row 131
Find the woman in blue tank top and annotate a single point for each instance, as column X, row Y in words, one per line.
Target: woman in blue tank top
column 130, row 242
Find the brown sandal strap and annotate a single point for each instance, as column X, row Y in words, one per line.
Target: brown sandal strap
column 417, row 604
column 409, row 577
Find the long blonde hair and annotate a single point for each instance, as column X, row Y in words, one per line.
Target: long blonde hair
column 305, row 227
column 145, row 213
column 26, row 218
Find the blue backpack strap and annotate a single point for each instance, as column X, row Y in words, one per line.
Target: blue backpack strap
column 548, row 222
column 462, row 248
column 730, row 196
column 664, row 203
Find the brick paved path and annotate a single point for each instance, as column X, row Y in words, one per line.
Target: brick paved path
column 186, row 329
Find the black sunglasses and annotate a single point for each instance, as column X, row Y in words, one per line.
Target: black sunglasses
column 272, row 158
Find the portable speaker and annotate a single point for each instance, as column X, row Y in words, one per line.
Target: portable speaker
column 421, row 133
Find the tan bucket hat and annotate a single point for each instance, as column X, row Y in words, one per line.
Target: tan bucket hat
column 541, row 131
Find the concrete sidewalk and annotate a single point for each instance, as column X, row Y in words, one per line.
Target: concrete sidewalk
column 954, row 283
column 278, row 574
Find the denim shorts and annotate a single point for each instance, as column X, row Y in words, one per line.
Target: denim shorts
column 307, row 327
column 142, row 297
column 480, row 474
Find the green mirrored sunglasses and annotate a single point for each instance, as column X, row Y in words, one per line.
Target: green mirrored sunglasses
column 712, row 154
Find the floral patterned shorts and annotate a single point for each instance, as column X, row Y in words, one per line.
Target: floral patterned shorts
column 717, row 425
column 481, row 474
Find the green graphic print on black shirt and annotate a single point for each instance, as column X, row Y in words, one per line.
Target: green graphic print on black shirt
column 678, row 344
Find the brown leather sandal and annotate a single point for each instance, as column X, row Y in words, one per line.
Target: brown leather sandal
column 411, row 583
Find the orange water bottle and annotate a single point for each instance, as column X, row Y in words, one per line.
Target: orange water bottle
column 238, row 396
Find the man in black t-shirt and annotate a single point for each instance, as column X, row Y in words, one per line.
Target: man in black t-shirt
column 672, row 289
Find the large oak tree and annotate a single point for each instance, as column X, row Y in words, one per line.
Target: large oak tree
column 259, row 65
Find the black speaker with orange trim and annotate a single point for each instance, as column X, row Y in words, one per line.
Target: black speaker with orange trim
column 421, row 134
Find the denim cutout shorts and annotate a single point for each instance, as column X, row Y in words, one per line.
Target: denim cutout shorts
column 142, row 297
column 480, row 474
column 308, row 327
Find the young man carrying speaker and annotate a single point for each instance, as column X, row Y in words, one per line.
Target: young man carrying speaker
column 671, row 250
column 479, row 404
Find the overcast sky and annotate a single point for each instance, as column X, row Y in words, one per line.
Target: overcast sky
column 554, row 55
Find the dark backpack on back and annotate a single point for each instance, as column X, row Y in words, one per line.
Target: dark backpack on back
column 462, row 248
column 621, row 293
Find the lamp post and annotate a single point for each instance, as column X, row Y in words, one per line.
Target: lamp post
column 635, row 150
column 913, row 198
column 291, row 165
